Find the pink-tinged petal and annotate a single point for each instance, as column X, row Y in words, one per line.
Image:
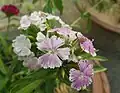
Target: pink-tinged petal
column 86, row 67
column 89, row 70
column 62, row 31
column 87, row 46
column 44, row 45
column 67, row 32
column 63, row 53
column 56, row 42
column 83, row 64
column 74, row 74
column 49, row 61
column 50, row 43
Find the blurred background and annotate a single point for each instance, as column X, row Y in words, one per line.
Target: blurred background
column 97, row 19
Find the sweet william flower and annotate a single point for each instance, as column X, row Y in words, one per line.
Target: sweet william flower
column 10, row 10
column 24, row 22
column 54, row 53
column 83, row 77
column 34, row 17
column 87, row 45
column 38, row 19
column 21, row 45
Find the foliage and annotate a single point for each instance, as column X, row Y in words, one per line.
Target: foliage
column 52, row 4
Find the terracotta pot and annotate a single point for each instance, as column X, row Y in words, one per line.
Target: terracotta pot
column 100, row 83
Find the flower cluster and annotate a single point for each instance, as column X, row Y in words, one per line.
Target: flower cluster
column 54, row 45
column 39, row 19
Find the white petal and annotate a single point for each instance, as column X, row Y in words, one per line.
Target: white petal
column 63, row 53
column 22, row 51
column 49, row 17
column 72, row 35
column 56, row 42
column 42, row 27
column 34, row 17
column 25, row 22
column 40, row 37
column 21, row 41
column 50, row 43
column 49, row 61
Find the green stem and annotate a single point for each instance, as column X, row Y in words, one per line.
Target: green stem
column 8, row 26
column 79, row 18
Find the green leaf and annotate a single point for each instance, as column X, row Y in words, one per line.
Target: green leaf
column 99, row 58
column 89, row 57
column 85, row 56
column 16, row 85
column 42, row 73
column 2, row 67
column 89, row 24
column 34, row 1
column 48, row 6
column 59, row 5
column 62, row 73
column 3, row 81
column 30, row 87
column 98, row 69
column 31, row 77
column 4, row 45
column 50, row 86
column 32, row 30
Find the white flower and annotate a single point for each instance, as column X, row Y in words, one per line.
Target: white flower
column 39, row 20
column 34, row 17
column 21, row 45
column 24, row 22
